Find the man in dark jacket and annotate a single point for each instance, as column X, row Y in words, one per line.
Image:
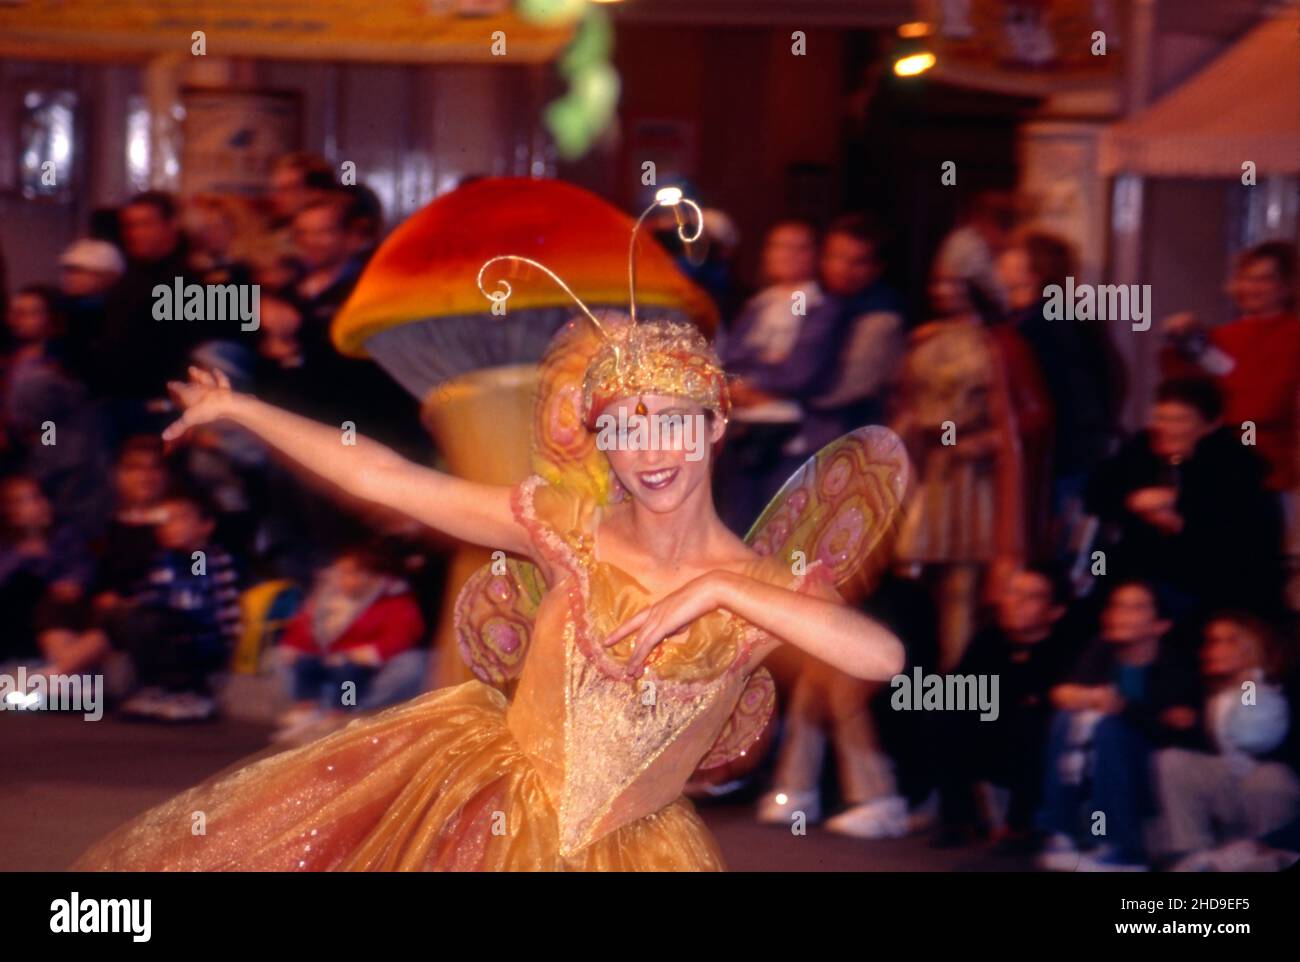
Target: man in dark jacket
column 1028, row 651
column 136, row 354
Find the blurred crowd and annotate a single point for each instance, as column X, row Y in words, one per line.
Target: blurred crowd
column 1127, row 589
column 119, row 556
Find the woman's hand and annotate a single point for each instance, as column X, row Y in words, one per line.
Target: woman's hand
column 668, row 616
column 204, row 398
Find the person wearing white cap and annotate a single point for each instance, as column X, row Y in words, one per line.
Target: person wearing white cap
column 88, row 268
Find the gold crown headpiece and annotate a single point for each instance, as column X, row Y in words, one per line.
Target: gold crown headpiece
column 650, row 357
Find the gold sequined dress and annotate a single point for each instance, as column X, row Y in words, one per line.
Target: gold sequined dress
column 582, row 769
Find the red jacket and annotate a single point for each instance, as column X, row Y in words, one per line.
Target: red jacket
column 392, row 624
column 1262, row 386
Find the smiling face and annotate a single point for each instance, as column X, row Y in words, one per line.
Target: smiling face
column 676, row 464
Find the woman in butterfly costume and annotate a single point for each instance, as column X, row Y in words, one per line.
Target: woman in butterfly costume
column 618, row 659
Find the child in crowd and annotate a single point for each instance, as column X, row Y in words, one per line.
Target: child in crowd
column 139, row 482
column 1231, row 787
column 181, row 623
column 358, row 619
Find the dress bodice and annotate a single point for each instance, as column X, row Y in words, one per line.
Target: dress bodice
column 612, row 749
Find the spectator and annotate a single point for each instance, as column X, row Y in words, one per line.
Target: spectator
column 325, row 248
column 139, row 482
column 48, row 426
column 349, row 389
column 297, row 180
column 181, row 624
column 279, row 343
column 1232, row 786
column 365, row 221
column 1113, row 709
column 778, row 351
column 44, row 567
column 276, row 271
column 1028, row 652
column 964, row 527
column 1255, row 358
column 212, row 226
column 357, row 620
column 138, row 354
column 1079, row 368
column 969, row 253
column 1189, row 509
column 88, row 270
column 871, row 332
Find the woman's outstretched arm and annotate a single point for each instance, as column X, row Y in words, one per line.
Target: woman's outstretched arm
column 819, row 623
column 477, row 513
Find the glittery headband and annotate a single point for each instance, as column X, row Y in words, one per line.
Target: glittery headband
column 654, row 357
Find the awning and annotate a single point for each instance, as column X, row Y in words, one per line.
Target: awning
column 1245, row 106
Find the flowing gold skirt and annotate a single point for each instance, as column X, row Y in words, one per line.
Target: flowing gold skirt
column 436, row 784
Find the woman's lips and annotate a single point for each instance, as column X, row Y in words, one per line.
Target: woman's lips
column 658, row 480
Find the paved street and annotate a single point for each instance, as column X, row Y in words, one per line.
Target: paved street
column 66, row 782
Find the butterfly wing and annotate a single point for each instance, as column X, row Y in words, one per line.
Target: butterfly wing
column 839, row 513
column 837, row 516
column 747, row 722
column 494, row 619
